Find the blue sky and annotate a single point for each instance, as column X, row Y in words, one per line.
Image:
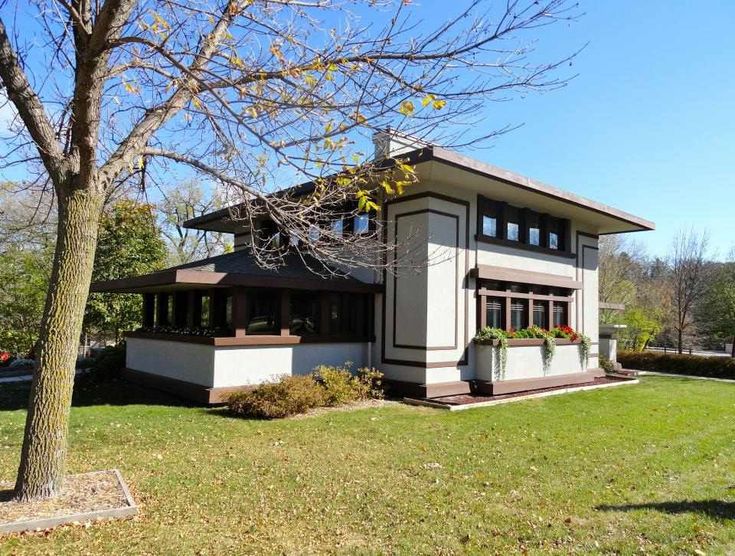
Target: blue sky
column 648, row 125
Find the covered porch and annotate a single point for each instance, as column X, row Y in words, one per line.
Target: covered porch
column 220, row 324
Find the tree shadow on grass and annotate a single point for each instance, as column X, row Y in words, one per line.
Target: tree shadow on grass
column 717, row 509
column 91, row 392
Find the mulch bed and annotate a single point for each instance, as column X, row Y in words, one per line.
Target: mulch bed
column 464, row 399
column 96, row 495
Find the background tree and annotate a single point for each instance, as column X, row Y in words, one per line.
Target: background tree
column 187, row 200
column 27, row 237
column 717, row 312
column 689, row 275
column 250, row 93
column 129, row 244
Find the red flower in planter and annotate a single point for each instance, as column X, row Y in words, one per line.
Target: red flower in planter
column 4, row 356
column 573, row 336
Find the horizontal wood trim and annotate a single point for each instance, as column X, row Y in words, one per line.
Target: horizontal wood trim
column 525, row 342
column 251, row 340
column 416, row 390
column 527, row 384
column 480, row 238
column 182, row 278
column 503, row 274
column 181, row 388
column 534, row 296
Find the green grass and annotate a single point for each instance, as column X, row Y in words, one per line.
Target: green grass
column 638, row 468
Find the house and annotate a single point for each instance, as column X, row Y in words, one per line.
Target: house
column 514, row 252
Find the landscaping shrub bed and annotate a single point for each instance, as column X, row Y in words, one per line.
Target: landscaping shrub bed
column 291, row 395
column 696, row 365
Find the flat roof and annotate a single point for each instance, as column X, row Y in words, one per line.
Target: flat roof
column 238, row 268
column 626, row 222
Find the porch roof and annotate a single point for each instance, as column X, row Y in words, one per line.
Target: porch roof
column 236, row 269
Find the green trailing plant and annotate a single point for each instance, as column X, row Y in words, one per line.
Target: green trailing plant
column 585, row 343
column 498, row 338
column 548, row 350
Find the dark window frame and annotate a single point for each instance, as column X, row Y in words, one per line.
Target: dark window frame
column 530, row 296
column 526, row 219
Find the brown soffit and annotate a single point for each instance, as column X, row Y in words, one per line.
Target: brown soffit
column 217, row 220
column 183, row 279
column 501, row 274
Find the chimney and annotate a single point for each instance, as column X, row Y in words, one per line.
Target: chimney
column 390, row 143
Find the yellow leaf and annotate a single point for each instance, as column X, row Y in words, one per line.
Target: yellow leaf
column 428, row 99
column 406, row 108
column 196, row 102
column 129, row 87
column 439, row 104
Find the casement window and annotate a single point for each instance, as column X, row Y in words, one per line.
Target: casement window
column 512, row 224
column 518, row 315
column 495, row 312
column 539, row 315
column 561, row 311
column 499, row 222
column 361, row 223
column 263, row 309
column 514, row 306
column 338, row 227
column 347, row 314
column 305, row 314
column 532, row 222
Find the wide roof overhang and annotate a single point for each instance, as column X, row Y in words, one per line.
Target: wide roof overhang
column 234, row 270
column 445, row 166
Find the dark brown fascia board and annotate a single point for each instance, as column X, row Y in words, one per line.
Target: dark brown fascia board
column 468, row 164
column 223, row 279
column 502, row 274
column 506, row 176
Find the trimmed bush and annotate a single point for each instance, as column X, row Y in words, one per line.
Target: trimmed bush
column 341, row 386
column 290, row 395
column 695, row 365
column 606, row 365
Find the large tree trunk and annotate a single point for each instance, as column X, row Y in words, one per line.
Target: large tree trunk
column 732, row 349
column 680, row 347
column 41, row 470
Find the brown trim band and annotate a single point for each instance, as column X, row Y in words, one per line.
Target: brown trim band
column 252, row 340
column 184, row 277
column 181, row 388
column 400, row 388
column 480, row 238
column 528, row 384
column 502, row 274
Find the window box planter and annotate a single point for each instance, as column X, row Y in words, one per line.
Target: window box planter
column 525, row 360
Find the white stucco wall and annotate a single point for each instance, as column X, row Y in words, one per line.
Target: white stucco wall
column 428, row 307
column 238, row 366
column 179, row 360
column 527, row 362
column 216, row 367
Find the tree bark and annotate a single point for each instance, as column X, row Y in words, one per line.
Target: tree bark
column 680, row 347
column 41, row 470
column 732, row 349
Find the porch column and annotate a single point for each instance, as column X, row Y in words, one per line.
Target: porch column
column 194, row 313
column 324, row 313
column 149, row 309
column 285, row 313
column 180, row 308
column 239, row 312
column 162, row 310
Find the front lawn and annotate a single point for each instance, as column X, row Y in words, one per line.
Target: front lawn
column 648, row 467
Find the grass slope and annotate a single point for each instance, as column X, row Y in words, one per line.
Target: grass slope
column 648, row 467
